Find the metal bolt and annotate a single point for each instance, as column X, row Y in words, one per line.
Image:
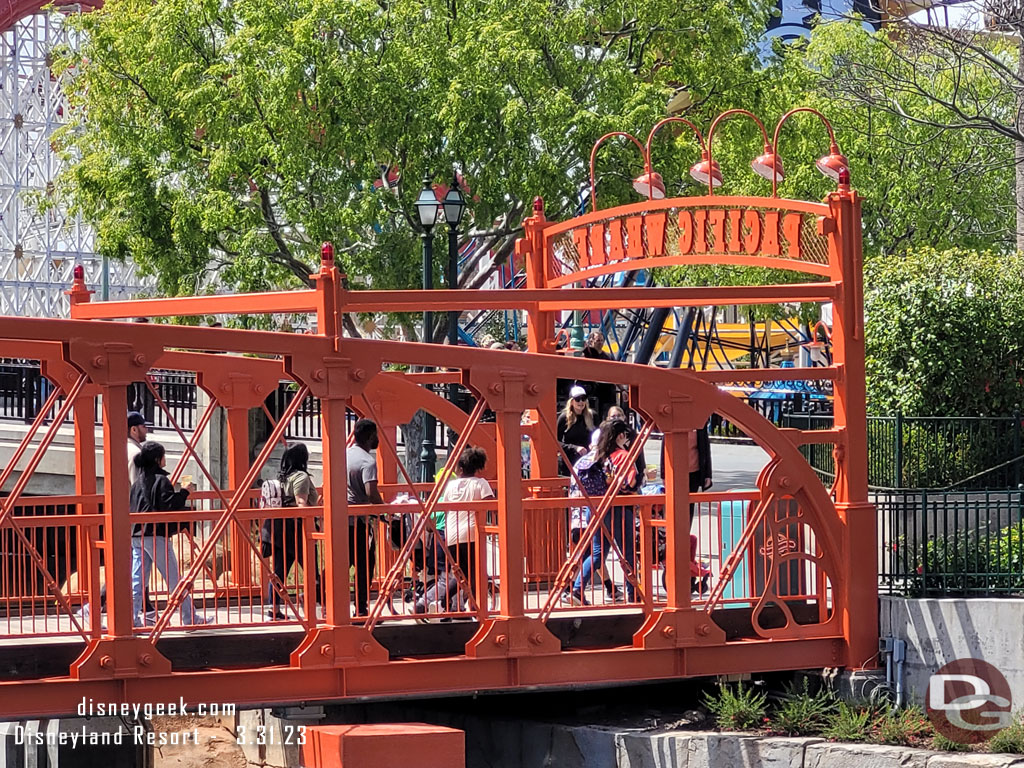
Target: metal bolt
column 703, row 630
column 358, row 374
column 532, row 389
column 364, row 649
column 785, row 482
column 496, row 388
column 669, row 631
column 536, row 639
column 99, row 361
column 501, row 640
column 260, row 389
column 665, row 410
column 326, row 649
column 145, row 659
column 319, row 374
column 106, row 662
column 225, row 387
column 139, row 359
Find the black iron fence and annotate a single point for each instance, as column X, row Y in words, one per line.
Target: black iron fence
column 950, row 543
column 930, row 451
column 775, row 410
column 24, row 391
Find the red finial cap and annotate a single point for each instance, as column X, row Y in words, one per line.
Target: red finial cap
column 844, row 177
column 327, row 253
column 78, row 272
column 538, row 205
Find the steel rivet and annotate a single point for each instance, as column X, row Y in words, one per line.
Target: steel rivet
column 319, row 374
column 358, row 374
column 665, row 410
column 669, row 631
column 501, row 640
column 703, row 630
column 533, row 389
column 260, row 389
column 326, row 649
column 99, row 361
column 106, row 662
column 365, row 649
column 785, row 482
column 496, row 388
column 536, row 639
column 139, row 359
column 145, row 659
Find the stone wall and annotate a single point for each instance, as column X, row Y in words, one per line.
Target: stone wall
column 938, row 631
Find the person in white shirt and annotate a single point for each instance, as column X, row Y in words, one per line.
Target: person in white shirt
column 460, row 529
column 137, row 433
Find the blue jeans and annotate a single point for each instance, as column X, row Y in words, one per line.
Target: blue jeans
column 622, row 524
column 148, row 551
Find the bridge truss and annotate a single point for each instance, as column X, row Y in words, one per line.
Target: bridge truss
column 794, row 578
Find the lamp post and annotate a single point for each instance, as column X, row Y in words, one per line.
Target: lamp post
column 426, row 209
column 454, row 205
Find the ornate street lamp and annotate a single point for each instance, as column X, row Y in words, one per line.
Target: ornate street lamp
column 427, row 209
column 454, row 205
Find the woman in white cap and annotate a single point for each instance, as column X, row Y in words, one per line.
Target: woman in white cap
column 575, row 424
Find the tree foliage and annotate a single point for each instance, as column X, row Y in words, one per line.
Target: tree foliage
column 217, row 142
column 945, row 333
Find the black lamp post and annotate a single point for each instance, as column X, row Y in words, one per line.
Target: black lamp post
column 454, row 205
column 426, row 209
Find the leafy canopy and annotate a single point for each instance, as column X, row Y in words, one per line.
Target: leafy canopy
column 944, row 333
column 218, row 142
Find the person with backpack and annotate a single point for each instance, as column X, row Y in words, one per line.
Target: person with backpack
column 152, row 492
column 609, row 456
column 283, row 539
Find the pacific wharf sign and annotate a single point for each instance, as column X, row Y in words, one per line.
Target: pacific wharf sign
column 695, row 233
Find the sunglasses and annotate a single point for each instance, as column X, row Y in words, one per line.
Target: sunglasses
column 580, row 399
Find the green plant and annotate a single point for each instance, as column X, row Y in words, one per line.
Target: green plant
column 850, row 722
column 737, row 709
column 1010, row 739
column 944, row 744
column 907, row 727
column 802, row 713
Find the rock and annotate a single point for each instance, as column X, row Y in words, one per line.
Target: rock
column 828, row 755
column 216, row 748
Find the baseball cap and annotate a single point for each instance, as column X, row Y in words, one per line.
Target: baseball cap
column 136, row 419
column 577, row 391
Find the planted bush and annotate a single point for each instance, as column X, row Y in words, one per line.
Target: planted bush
column 737, row 709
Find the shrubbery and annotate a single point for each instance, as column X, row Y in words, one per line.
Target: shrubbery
column 801, row 712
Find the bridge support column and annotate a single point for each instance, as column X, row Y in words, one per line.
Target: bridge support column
column 340, row 642
column 678, row 624
column 120, row 654
column 511, row 633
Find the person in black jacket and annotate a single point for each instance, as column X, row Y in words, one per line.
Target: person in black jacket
column 574, row 426
column 152, row 492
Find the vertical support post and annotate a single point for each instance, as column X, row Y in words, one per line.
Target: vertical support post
column 677, row 519
column 899, row 449
column 1016, row 448
column 85, row 485
column 859, row 576
column 117, row 526
column 511, row 633
column 238, row 466
column 336, row 519
column 540, row 329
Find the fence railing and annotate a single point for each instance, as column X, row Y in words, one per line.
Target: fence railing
column 775, row 410
column 950, row 543
column 930, row 451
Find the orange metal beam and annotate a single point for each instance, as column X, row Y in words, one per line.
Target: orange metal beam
column 409, row 678
column 591, row 298
column 183, row 306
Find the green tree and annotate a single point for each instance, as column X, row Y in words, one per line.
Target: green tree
column 218, row 143
column 944, row 332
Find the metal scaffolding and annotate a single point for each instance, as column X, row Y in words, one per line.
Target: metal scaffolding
column 39, row 250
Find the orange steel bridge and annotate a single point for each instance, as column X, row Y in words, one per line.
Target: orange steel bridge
column 794, row 562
